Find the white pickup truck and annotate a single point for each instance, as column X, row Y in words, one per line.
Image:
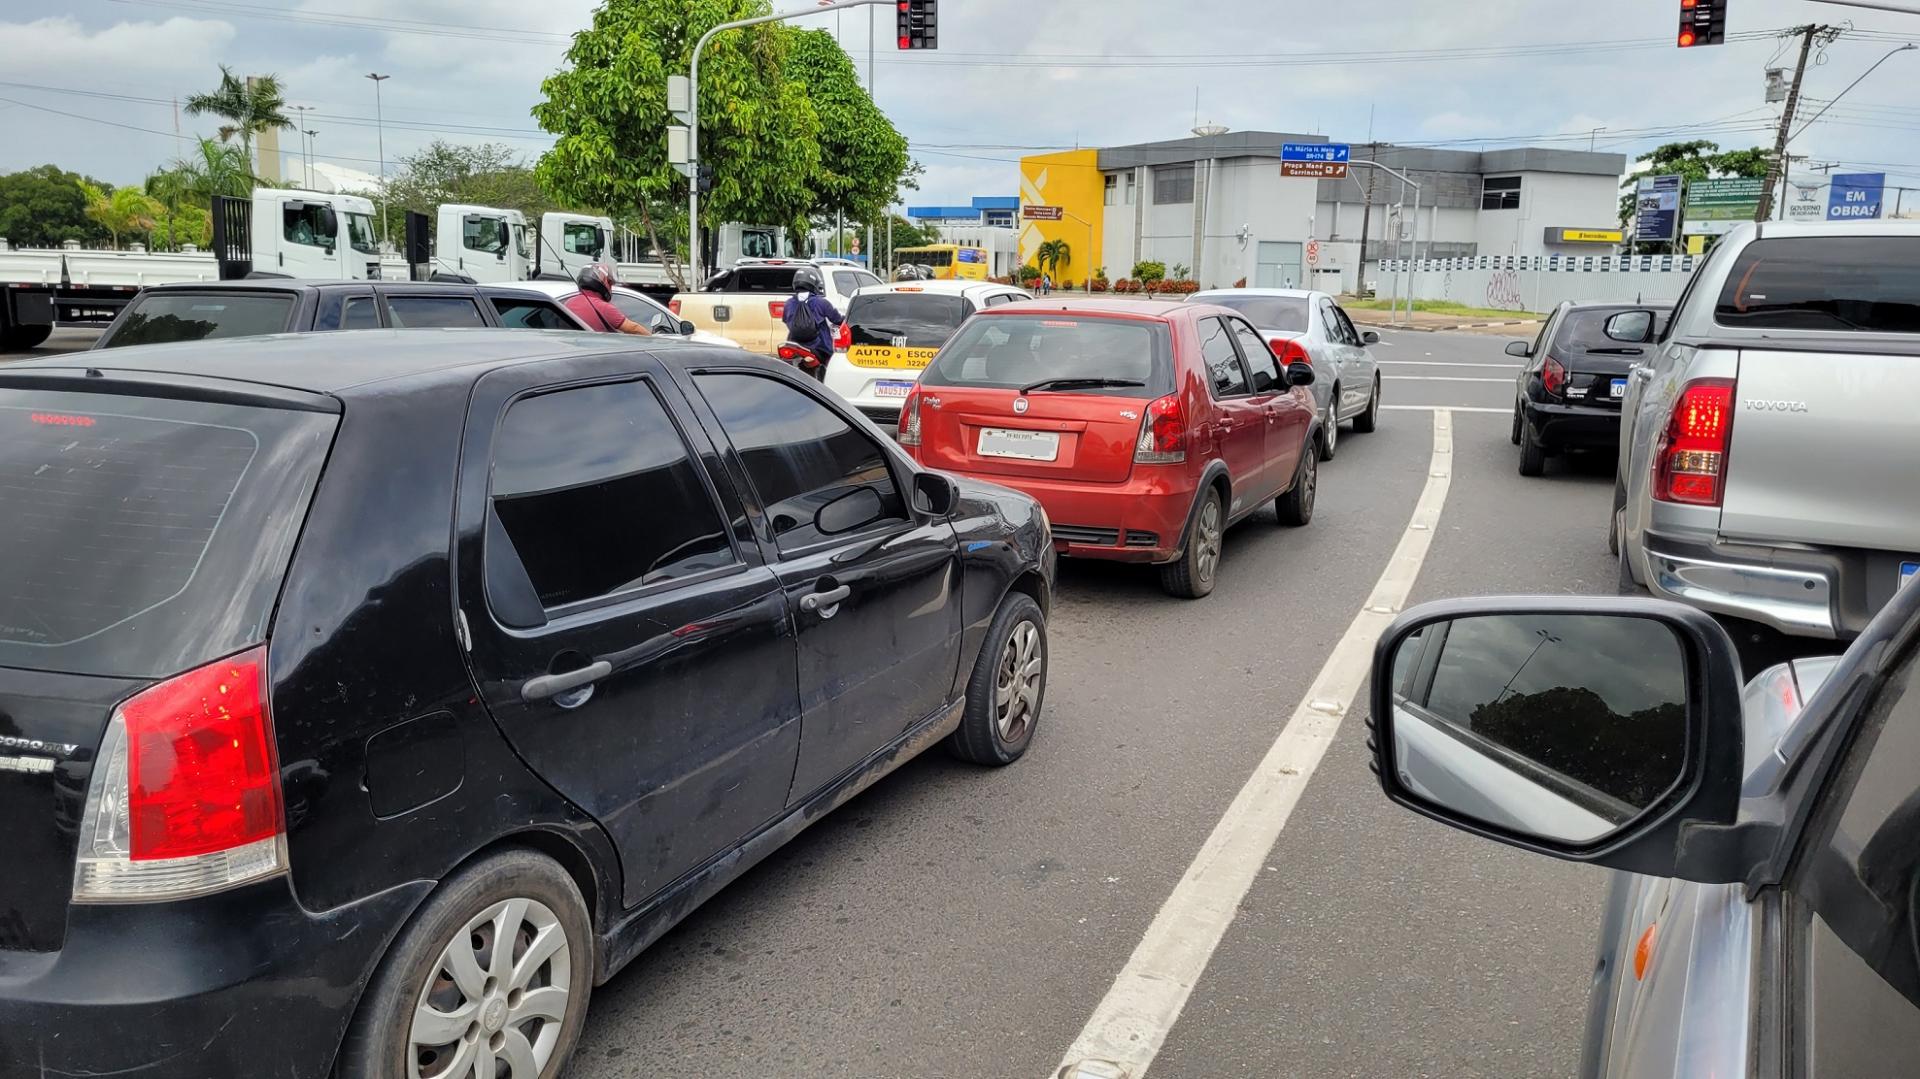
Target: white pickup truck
column 746, row 304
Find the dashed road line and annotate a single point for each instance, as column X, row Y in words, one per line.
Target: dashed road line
column 1442, row 378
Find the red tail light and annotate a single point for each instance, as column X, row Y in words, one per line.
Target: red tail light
column 673, row 306
column 185, row 796
column 1163, row 433
column 908, row 431
column 794, row 353
column 777, row 308
column 1553, row 376
column 1289, row 351
column 843, row 340
column 1692, row 458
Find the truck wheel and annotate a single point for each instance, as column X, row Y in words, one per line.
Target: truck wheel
column 22, row 338
column 1007, row 688
column 491, row 976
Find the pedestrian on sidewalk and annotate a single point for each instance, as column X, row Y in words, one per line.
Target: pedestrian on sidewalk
column 1046, row 284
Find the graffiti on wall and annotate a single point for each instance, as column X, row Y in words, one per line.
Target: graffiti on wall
column 1503, row 291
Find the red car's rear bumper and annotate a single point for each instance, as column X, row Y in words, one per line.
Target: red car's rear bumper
column 1141, row 520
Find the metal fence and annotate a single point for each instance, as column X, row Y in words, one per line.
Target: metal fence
column 1536, row 282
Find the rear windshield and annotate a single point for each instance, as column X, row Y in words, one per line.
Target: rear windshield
column 926, row 320
column 1285, row 314
column 755, row 279
column 1862, row 284
column 144, row 536
column 160, row 317
column 1586, row 330
column 1015, row 351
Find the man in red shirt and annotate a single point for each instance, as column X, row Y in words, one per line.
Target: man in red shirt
column 593, row 304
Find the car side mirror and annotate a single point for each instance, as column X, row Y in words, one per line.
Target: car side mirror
column 1368, row 337
column 1299, row 374
column 686, row 328
column 1630, row 327
column 860, row 506
column 1520, row 349
column 1595, row 730
column 936, row 493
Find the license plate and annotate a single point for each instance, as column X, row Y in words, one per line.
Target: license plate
column 892, row 389
column 1618, row 389
column 1907, row 572
column 1025, row 445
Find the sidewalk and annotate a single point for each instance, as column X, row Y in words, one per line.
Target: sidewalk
column 1427, row 322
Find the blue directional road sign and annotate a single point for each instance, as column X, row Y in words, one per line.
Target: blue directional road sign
column 1315, row 151
column 1856, row 196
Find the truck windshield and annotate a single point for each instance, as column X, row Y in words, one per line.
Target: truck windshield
column 360, row 233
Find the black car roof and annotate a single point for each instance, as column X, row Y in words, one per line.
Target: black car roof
column 294, row 284
column 334, row 362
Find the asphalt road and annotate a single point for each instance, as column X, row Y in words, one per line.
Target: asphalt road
column 955, row 921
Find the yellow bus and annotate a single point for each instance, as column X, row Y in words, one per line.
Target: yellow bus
column 949, row 262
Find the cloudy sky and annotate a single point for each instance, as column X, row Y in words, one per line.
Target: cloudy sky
column 92, row 89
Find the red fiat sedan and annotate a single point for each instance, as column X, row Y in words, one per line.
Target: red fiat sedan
column 1145, row 429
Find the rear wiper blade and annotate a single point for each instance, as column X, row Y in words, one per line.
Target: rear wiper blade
column 1080, row 383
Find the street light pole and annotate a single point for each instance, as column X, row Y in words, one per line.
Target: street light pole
column 693, row 116
column 300, row 128
column 313, row 144
column 1413, row 272
column 380, row 136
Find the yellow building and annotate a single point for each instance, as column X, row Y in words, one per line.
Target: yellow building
column 1071, row 181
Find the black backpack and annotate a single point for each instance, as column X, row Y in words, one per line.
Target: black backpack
column 804, row 328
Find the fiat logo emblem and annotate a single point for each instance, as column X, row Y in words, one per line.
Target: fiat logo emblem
column 1020, row 405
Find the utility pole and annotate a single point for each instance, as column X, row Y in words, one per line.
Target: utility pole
column 1777, row 164
column 1366, row 219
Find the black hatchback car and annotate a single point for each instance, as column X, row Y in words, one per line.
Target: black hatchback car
column 1567, row 397
column 367, row 699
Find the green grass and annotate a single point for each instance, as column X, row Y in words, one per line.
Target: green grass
column 1439, row 307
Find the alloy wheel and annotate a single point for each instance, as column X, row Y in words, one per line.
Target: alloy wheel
column 1310, row 483
column 1016, row 691
column 1332, row 426
column 498, row 995
column 1208, row 538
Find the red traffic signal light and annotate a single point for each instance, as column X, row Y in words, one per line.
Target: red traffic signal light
column 919, row 24
column 1702, row 22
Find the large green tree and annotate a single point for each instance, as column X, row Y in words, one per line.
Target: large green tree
column 487, row 174
column 120, row 210
column 862, row 156
column 247, row 107
column 1699, row 159
column 759, row 131
column 44, row 207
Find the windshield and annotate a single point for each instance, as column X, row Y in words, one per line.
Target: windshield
column 1865, row 284
column 1015, row 351
column 360, row 234
column 905, row 319
column 160, row 317
column 1281, row 314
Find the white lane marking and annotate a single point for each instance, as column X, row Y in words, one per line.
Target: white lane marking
column 1442, row 378
column 1445, row 408
column 1447, row 363
column 1128, row 1028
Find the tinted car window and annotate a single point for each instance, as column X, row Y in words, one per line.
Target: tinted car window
column 1846, row 283
column 159, row 317
column 925, row 319
column 1266, row 370
column 1224, row 372
column 1013, row 351
column 1284, row 314
column 532, row 315
column 142, row 536
column 799, row 454
column 845, row 282
column 645, row 313
column 1338, row 329
column 305, row 224
column 598, row 494
column 755, row 279
column 1586, row 329
column 429, row 311
column 361, row 313
column 1582, row 696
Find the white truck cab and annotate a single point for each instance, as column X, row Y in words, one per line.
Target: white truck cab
column 313, row 235
column 569, row 243
column 484, row 244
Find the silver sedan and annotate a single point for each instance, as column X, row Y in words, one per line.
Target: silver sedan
column 1346, row 380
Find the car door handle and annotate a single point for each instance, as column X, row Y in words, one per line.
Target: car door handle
column 825, row 604
column 547, row 686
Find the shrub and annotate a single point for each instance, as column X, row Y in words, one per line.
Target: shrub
column 1098, row 284
column 1242, row 283
column 1149, row 271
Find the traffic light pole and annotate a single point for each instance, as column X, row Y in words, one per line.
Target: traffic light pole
column 1413, row 264
column 694, row 278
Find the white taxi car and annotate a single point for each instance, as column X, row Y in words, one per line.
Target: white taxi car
column 893, row 332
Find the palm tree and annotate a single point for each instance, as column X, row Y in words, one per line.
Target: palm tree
column 216, row 170
column 248, row 108
column 127, row 209
column 1052, row 255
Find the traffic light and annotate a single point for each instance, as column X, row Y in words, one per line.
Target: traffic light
column 705, row 179
column 1702, row 22
column 919, row 24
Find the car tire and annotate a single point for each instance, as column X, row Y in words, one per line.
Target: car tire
column 1191, row 576
column 1330, row 428
column 22, row 338
column 1368, row 422
column 1533, row 456
column 1007, row 688
column 1519, row 424
column 1295, row 508
column 417, row 992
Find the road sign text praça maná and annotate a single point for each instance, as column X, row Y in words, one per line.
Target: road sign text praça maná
column 1856, row 196
column 1315, row 151
column 1042, row 213
column 1318, row 170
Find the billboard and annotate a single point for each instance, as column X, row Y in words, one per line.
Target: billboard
column 1656, row 209
column 1715, row 206
column 1855, row 196
column 1805, row 204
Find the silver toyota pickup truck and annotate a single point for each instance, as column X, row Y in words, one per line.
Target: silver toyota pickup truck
column 1770, row 447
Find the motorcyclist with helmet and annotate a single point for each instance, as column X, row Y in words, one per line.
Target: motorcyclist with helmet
column 812, row 320
column 593, row 304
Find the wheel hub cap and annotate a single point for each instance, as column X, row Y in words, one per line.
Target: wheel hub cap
column 494, row 1015
column 494, row 1001
column 1017, row 689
